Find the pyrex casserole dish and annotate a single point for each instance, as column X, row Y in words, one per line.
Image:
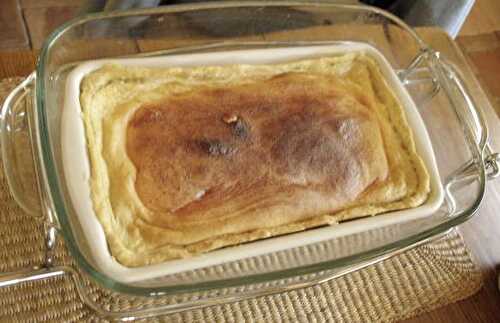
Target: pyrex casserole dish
column 32, row 113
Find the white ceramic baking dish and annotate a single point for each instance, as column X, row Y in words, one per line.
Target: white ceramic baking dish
column 77, row 169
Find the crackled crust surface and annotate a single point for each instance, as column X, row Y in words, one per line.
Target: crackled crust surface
column 187, row 160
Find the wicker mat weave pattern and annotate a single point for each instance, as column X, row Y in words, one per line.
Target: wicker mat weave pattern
column 406, row 285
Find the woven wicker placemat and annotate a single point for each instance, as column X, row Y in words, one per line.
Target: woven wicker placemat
column 406, row 285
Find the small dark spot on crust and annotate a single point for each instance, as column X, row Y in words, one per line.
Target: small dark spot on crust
column 240, row 129
column 215, row 147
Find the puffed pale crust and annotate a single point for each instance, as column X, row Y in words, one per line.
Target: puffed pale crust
column 137, row 235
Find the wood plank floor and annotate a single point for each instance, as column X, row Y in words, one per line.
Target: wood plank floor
column 483, row 18
column 26, row 23
column 41, row 21
column 483, row 51
column 12, row 28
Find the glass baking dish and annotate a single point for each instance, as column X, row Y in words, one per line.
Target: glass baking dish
column 31, row 145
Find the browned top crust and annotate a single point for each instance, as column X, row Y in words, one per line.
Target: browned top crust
column 255, row 147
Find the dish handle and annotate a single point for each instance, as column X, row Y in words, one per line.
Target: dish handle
column 16, row 149
column 490, row 159
column 473, row 119
column 484, row 164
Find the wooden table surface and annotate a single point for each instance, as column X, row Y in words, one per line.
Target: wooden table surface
column 482, row 233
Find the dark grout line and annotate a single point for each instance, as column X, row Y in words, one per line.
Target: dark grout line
column 26, row 29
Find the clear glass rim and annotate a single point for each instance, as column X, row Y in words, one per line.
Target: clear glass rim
column 48, row 166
